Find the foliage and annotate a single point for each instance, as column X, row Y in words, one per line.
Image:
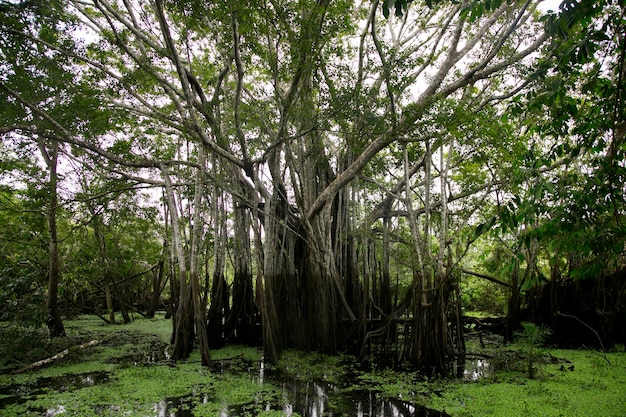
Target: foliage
column 566, row 186
column 532, row 338
column 483, row 296
column 23, row 259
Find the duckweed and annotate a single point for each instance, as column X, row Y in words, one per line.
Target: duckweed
column 136, row 378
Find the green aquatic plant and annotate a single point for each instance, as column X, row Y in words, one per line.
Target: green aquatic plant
column 574, row 383
column 586, row 387
column 532, row 338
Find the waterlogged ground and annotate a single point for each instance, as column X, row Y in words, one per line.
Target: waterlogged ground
column 129, row 374
column 574, row 383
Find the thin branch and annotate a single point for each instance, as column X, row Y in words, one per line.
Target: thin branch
column 487, row 277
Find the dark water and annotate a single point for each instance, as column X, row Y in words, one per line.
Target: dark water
column 306, row 398
column 13, row 393
column 310, row 399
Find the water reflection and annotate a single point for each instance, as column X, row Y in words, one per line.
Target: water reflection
column 55, row 411
column 308, row 399
column 317, row 399
column 476, row 369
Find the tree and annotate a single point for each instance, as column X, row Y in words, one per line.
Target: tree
column 37, row 103
column 559, row 214
column 315, row 120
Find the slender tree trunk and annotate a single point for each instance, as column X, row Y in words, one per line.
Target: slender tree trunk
column 109, row 299
column 385, row 290
column 513, row 320
column 199, row 307
column 104, row 261
column 183, row 335
column 157, row 284
column 172, row 276
column 55, row 323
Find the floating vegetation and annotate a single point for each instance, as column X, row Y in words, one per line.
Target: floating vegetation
column 131, row 374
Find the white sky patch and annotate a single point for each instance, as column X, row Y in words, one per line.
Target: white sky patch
column 549, row 5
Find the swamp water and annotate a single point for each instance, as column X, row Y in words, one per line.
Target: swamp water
column 306, row 399
column 291, row 395
column 295, row 397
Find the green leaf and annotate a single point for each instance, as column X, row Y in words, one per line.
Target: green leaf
column 484, row 227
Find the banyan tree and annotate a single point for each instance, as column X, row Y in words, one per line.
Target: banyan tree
column 310, row 154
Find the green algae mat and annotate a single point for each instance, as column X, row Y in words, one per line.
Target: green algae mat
column 128, row 373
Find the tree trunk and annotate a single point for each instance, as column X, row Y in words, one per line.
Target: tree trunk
column 274, row 333
column 199, row 307
column 183, row 334
column 430, row 348
column 219, row 308
column 55, row 323
column 241, row 326
column 158, row 274
column 513, row 320
column 385, row 290
column 104, row 261
column 109, row 300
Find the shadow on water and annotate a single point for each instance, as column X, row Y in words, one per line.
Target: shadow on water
column 310, row 399
column 20, row 393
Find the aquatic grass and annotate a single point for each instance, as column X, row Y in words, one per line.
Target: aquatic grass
column 387, row 383
column 592, row 388
column 89, row 326
column 241, row 393
column 130, row 390
column 238, row 390
column 133, row 386
column 309, row 366
column 237, row 351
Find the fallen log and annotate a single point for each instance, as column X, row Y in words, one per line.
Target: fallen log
column 58, row 356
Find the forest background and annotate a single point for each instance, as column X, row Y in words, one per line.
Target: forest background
column 332, row 176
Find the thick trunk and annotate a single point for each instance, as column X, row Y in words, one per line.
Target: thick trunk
column 241, row 326
column 431, row 346
column 274, row 333
column 219, row 308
